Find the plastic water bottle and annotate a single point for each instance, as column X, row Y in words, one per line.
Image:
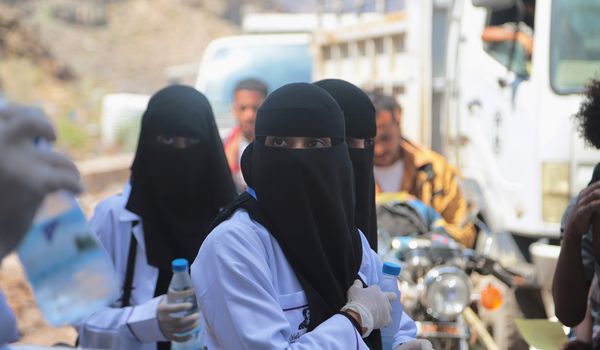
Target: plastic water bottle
column 70, row 273
column 182, row 291
column 389, row 283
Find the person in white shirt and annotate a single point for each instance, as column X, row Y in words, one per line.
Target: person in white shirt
column 27, row 174
column 179, row 181
column 285, row 265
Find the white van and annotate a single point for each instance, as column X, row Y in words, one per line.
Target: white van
column 275, row 59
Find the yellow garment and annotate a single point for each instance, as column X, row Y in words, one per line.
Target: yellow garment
column 430, row 178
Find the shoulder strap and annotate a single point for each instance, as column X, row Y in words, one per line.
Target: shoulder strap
column 245, row 201
column 128, row 283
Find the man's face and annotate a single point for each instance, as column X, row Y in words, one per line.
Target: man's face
column 387, row 141
column 245, row 105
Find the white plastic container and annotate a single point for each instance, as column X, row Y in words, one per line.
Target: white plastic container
column 389, row 283
column 180, row 291
column 71, row 275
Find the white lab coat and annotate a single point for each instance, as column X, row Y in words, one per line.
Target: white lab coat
column 251, row 299
column 134, row 327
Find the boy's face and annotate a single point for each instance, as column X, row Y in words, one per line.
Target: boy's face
column 245, row 105
column 387, row 141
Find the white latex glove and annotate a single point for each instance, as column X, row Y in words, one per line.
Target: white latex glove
column 417, row 344
column 172, row 326
column 27, row 173
column 373, row 306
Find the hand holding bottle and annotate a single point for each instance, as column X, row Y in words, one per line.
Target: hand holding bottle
column 371, row 304
column 27, row 173
column 172, row 327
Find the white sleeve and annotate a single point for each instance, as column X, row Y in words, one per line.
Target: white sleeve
column 8, row 331
column 114, row 327
column 235, row 291
column 371, row 269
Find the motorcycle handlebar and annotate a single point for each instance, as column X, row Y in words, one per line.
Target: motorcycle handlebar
column 487, row 266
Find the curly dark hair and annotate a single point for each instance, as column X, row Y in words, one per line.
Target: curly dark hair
column 588, row 116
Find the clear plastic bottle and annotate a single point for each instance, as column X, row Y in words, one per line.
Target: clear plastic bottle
column 389, row 283
column 180, row 291
column 70, row 273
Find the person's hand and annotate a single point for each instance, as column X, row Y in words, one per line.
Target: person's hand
column 417, row 344
column 371, row 304
column 576, row 345
column 580, row 217
column 27, row 173
column 171, row 326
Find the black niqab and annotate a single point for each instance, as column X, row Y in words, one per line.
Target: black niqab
column 305, row 196
column 178, row 192
column 359, row 113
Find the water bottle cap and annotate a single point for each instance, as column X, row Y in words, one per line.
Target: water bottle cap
column 179, row 265
column 391, row 269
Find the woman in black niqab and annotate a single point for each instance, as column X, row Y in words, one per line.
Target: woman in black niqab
column 359, row 114
column 179, row 177
column 304, row 197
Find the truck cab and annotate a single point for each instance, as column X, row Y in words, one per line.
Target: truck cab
column 508, row 114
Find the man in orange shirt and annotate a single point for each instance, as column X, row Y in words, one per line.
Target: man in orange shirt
column 248, row 95
column 403, row 166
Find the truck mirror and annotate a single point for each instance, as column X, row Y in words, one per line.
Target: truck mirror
column 494, row 5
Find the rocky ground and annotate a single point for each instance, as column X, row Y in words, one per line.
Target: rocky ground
column 65, row 56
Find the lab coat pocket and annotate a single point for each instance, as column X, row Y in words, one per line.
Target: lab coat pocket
column 295, row 308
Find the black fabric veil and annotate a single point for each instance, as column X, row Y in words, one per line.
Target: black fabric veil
column 304, row 197
column 359, row 113
column 177, row 192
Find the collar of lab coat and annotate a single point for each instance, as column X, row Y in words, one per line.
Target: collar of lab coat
column 128, row 216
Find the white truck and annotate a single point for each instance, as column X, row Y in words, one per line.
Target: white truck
column 503, row 119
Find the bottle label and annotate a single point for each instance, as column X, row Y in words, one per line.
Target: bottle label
column 196, row 342
column 70, row 273
column 57, row 242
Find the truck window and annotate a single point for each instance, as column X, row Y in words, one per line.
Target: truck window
column 275, row 65
column 508, row 37
column 574, row 44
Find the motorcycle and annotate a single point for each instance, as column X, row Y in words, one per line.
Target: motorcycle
column 443, row 285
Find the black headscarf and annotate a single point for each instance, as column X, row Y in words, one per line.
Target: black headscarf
column 359, row 113
column 178, row 192
column 307, row 194
column 304, row 197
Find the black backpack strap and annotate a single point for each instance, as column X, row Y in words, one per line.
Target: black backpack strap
column 244, row 200
column 128, row 282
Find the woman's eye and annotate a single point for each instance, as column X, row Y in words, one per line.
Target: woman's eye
column 279, row 142
column 191, row 142
column 317, row 143
column 167, row 140
column 369, row 142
